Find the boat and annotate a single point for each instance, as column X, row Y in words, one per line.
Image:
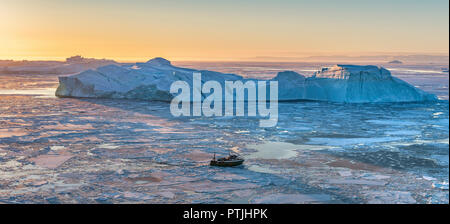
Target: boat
column 231, row 160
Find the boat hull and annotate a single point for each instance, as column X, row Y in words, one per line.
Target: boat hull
column 226, row 163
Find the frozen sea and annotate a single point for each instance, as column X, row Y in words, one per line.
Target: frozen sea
column 66, row 150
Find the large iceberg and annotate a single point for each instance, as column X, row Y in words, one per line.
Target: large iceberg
column 349, row 83
column 152, row 81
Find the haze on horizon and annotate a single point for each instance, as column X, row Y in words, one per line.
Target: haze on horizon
column 207, row 30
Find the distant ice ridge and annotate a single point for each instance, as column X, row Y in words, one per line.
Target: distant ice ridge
column 152, row 81
column 72, row 65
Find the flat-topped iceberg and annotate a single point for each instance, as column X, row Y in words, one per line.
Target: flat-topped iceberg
column 349, row 83
column 152, row 81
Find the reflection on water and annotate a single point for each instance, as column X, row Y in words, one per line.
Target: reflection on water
column 101, row 151
column 47, row 92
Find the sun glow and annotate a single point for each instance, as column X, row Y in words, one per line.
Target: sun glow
column 204, row 30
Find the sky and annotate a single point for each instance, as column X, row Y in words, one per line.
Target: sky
column 135, row 30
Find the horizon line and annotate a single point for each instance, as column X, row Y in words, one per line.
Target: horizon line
column 219, row 59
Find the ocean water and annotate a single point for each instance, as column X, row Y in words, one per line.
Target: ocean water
column 65, row 150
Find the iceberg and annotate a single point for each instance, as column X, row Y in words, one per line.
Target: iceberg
column 72, row 65
column 350, row 84
column 152, row 81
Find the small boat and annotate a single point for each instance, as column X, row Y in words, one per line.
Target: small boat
column 231, row 160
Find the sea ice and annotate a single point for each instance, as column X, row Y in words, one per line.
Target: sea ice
column 390, row 197
column 357, row 182
column 351, row 141
column 50, row 161
column 293, row 199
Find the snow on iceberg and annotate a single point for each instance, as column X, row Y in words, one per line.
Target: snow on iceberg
column 152, row 81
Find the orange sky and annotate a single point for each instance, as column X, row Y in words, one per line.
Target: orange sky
column 219, row 30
